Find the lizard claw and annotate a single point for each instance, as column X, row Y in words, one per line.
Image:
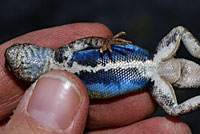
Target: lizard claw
column 115, row 40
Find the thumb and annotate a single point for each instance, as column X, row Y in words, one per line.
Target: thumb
column 56, row 104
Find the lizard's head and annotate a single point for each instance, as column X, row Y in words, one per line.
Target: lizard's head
column 27, row 61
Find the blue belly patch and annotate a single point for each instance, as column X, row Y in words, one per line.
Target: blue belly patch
column 111, row 82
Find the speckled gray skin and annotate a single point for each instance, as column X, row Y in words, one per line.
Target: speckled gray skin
column 28, row 61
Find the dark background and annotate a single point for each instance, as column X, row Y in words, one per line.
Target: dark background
column 145, row 23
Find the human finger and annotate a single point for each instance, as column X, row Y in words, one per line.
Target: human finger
column 156, row 125
column 56, row 103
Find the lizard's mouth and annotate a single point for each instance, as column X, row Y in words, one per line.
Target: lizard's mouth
column 7, row 65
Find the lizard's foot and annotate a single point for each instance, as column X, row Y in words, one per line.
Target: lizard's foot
column 115, row 40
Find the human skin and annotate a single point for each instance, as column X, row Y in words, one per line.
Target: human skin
column 123, row 114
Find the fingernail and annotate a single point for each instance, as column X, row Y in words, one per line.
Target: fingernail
column 55, row 101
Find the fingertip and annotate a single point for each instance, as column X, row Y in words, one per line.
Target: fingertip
column 179, row 125
column 57, row 102
column 166, row 125
column 156, row 125
column 66, row 96
column 90, row 29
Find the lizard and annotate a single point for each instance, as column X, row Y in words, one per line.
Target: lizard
column 118, row 67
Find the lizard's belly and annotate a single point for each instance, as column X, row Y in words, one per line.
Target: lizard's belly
column 111, row 74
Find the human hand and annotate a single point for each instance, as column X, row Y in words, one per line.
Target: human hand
column 58, row 102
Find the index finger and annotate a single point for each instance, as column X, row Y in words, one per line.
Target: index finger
column 11, row 89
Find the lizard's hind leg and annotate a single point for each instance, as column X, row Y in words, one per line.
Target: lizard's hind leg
column 188, row 77
column 171, row 42
column 164, row 95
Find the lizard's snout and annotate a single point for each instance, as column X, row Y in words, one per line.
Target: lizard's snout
column 11, row 56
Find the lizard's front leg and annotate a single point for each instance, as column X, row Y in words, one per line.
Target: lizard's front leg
column 95, row 42
column 64, row 54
